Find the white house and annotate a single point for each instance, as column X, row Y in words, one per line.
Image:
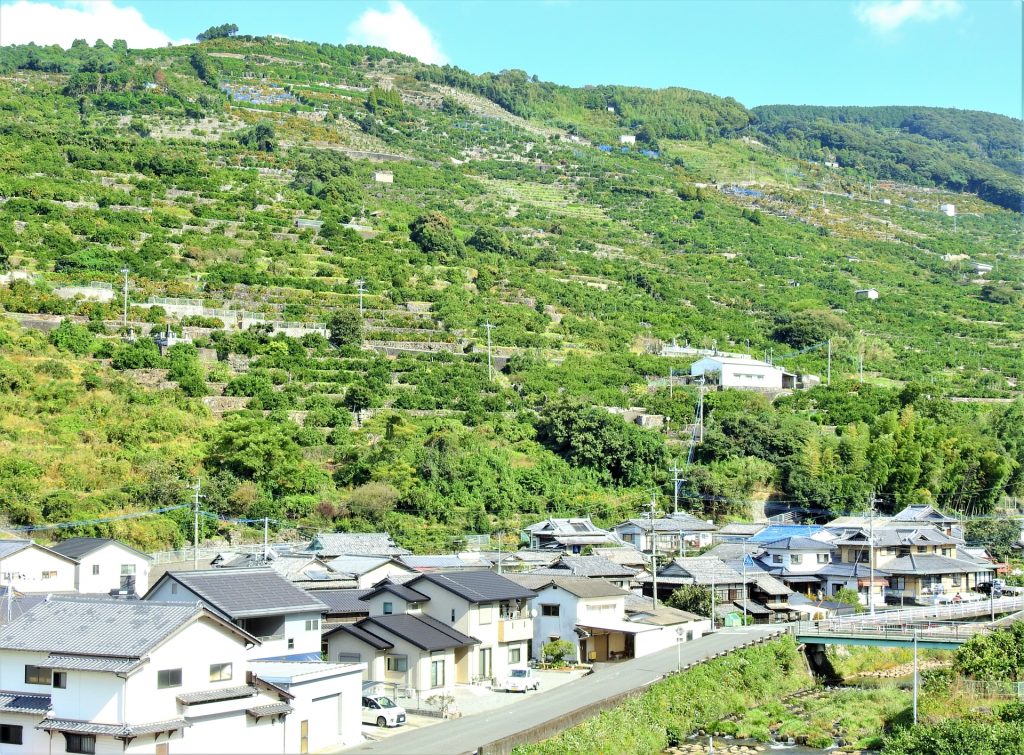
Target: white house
column 104, row 676
column 673, row 533
column 283, row 617
column 602, row 621
column 866, row 293
column 31, row 568
column 571, row 535
column 627, row 139
column 732, row 372
column 106, row 565
column 384, row 177
column 949, row 210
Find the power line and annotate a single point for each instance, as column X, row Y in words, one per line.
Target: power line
column 99, row 520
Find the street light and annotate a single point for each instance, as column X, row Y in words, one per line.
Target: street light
column 679, row 652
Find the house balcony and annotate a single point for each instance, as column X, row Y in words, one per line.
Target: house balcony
column 515, row 629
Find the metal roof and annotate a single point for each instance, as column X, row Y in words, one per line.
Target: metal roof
column 23, row 702
column 245, row 593
column 75, row 626
column 775, row 532
column 798, row 544
column 477, row 586
column 274, row 709
column 10, row 547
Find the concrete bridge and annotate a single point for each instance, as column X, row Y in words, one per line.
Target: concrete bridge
column 928, row 635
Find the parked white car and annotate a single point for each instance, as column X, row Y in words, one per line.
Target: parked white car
column 520, row 680
column 382, row 711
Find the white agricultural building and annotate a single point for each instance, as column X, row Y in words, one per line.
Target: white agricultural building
column 627, row 139
column 384, row 177
column 731, row 372
column 867, row 293
column 948, row 209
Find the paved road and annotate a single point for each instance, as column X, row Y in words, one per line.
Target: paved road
column 464, row 735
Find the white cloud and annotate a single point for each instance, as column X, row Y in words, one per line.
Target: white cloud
column 23, row 21
column 888, row 15
column 396, row 29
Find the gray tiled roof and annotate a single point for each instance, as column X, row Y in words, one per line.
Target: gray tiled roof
column 76, row 547
column 932, row 564
column 119, row 628
column 10, row 547
column 674, row 523
column 216, row 695
column 799, row 544
column 73, row 726
column 343, row 601
column 246, row 593
column 586, row 566
column 702, row 570
column 355, row 544
column 356, row 566
column 273, row 709
column 445, row 562
column 477, row 586
column 89, row 663
column 424, row 632
column 23, row 702
column 584, row 587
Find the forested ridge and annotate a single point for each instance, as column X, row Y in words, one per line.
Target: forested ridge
column 231, row 180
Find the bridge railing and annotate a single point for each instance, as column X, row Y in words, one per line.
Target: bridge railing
column 944, row 612
column 934, row 630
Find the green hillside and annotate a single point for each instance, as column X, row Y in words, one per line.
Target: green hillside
column 244, row 176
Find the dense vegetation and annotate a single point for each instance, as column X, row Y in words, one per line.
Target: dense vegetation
column 234, row 172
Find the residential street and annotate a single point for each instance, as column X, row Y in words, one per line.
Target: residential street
column 465, row 735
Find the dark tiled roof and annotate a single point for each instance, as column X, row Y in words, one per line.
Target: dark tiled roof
column 23, row 702
column 702, row 570
column 404, row 592
column 799, row 544
column 274, row 709
column 118, row 628
column 246, row 593
column 424, row 632
column 674, row 523
column 360, row 634
column 343, row 601
column 76, row 547
column 111, row 730
column 89, row 663
column 216, row 695
column 584, row 587
column 931, row 564
column 477, row 586
column 10, row 547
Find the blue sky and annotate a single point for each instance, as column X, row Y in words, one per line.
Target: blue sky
column 952, row 53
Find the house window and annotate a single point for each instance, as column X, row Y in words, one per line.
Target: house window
column 796, row 558
column 437, row 669
column 85, row 743
column 312, row 625
column 823, row 558
column 60, row 679
column 127, row 570
column 861, row 557
column 49, row 575
column 689, row 635
column 776, row 558
column 10, row 734
column 548, row 610
column 291, row 644
column 95, row 570
column 899, row 583
column 945, row 551
column 515, row 655
column 349, row 658
column 36, row 675
column 956, row 580
column 486, row 613
column 397, row 663
column 413, row 606
column 174, row 589
column 922, row 549
column 168, row 678
column 220, row 672
column 602, row 608
column 389, row 608
column 453, row 616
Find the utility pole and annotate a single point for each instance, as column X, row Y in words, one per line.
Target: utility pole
column 829, row 362
column 915, row 676
column 700, row 409
column 499, row 533
column 490, row 368
column 675, row 487
column 654, row 556
column 362, row 290
column 861, row 356
column 712, row 600
column 124, row 271
column 266, row 540
column 745, row 593
column 671, row 383
column 871, row 558
column 195, row 524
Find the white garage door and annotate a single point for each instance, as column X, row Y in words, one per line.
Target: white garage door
column 324, row 728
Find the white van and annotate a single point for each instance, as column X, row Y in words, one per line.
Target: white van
column 382, row 711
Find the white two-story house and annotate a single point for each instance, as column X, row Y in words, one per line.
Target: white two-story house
column 106, row 566
column 674, row 533
column 285, row 618
column 31, row 568
column 83, row 675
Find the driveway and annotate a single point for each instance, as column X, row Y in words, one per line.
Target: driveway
column 489, row 728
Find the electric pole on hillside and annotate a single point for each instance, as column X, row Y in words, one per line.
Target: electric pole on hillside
column 490, row 368
column 654, row 556
column 829, row 379
column 124, row 271
column 674, row 469
column 195, row 523
column 871, row 555
column 362, row 290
